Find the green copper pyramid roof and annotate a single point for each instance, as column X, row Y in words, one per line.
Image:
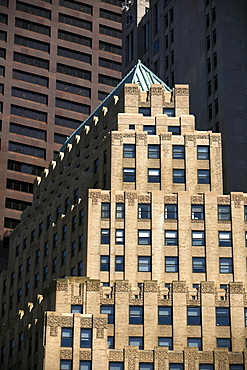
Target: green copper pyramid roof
column 140, row 75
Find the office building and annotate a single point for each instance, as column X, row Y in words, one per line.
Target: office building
column 203, row 44
column 59, row 59
column 130, row 256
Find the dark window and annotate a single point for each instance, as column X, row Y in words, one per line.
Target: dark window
column 96, row 165
column 2, row 55
column 3, row 36
column 86, row 338
column 31, row 9
column 59, row 138
column 198, row 265
column 27, row 150
column 171, row 264
column 104, row 263
column 33, row 44
column 72, row 106
column 67, row 122
column 165, row 342
column 224, row 213
column 144, row 237
column 2, row 71
column 28, row 113
column 144, row 264
column 32, row 26
column 222, row 316
column 76, row 308
column 81, row 23
column 37, row 256
column 64, row 232
column 65, row 364
column 236, row 367
column 179, row 176
column 74, row 72
column 27, row 131
column 110, row 48
column 76, row 196
column 144, row 210
column 129, row 175
column 116, row 17
column 225, row 238
column 215, row 83
column 3, row 18
column 119, row 263
column 165, row 315
column 75, row 38
column 113, row 2
column 129, row 150
column 215, row 59
column 119, row 236
column 203, row 177
column 153, row 151
column 225, row 343
column 45, row 273
column 46, row 248
column 136, row 341
column 198, row 238
column 146, row 366
column 175, row 130
column 73, row 89
column 29, row 95
column 102, row 95
column 10, row 223
column 193, row 316
column 203, row 152
column 108, row 310
column 66, row 337
column 116, row 366
column 151, row 130
column 25, row 187
column 195, row 342
column 136, row 315
column 73, row 249
column 225, row 265
column 105, row 210
column 29, row 77
column 36, row 281
column 171, row 237
column 171, row 211
column 109, row 31
column 197, row 212
column 145, row 112
column 55, row 240
column 178, row 151
column 106, row 80
column 54, row 265
column 18, row 205
column 153, row 175
column 120, row 210
column 106, row 63
column 72, row 54
column 76, row 5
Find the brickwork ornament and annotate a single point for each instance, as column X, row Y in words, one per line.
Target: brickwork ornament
column 151, row 286
column 66, row 354
column 176, row 357
column 131, row 198
column 116, row 355
column 181, row 91
column 61, row 321
column 119, row 198
column 121, row 286
column 203, row 136
column 105, row 198
column 165, row 137
column 215, row 138
column 179, row 287
column 144, row 199
column 85, row 355
column 146, row 356
column 100, row 324
column 225, row 200
column 140, row 138
column 170, row 199
column 191, row 357
column 208, row 287
column 86, row 322
column 237, row 199
column 131, row 357
column 205, row 357
column 197, row 199
column 160, row 358
column 236, row 358
column 93, row 286
column 133, row 90
column 191, row 138
column 61, row 285
column 245, row 200
column 74, row 298
column 53, row 331
column 221, row 358
column 95, row 196
column 236, row 288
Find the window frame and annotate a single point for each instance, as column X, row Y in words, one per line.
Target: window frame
column 198, row 238
column 153, row 151
column 144, row 240
column 105, row 265
column 225, row 238
column 178, row 176
column 224, row 212
column 193, row 316
column 129, row 150
column 144, row 264
column 203, row 176
column 170, row 239
column 226, row 266
column 135, row 319
column 144, row 210
column 197, row 214
column 68, row 342
column 167, row 318
column 203, row 152
column 196, row 266
column 129, row 175
column 154, row 175
column 171, row 267
column 178, row 152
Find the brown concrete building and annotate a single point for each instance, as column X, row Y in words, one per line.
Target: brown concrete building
column 59, row 59
column 130, row 257
column 203, row 44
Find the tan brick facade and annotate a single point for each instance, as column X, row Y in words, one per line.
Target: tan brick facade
column 148, row 257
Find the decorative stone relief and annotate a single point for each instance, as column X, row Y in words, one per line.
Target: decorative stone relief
column 190, row 357
column 206, row 357
column 144, row 199
column 131, row 356
column 237, row 199
column 208, row 287
column 179, row 287
column 146, row 356
column 198, row 199
column 53, row 331
column 86, row 322
column 121, row 286
column 221, row 358
column 105, row 198
column 236, row 358
column 66, row 354
column 215, row 138
column 95, row 196
column 202, row 136
column 166, row 137
column 93, row 286
column 134, row 90
column 116, row 355
column 100, row 325
column 176, row 357
column 131, row 198
column 181, row 91
column 150, row 287
column 170, row 199
column 236, row 288
column 61, row 285
column 245, row 200
column 160, row 357
column 119, row 198
column 140, row 138
column 156, row 90
column 225, row 200
column 188, row 138
column 85, row 355
column 60, row 321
